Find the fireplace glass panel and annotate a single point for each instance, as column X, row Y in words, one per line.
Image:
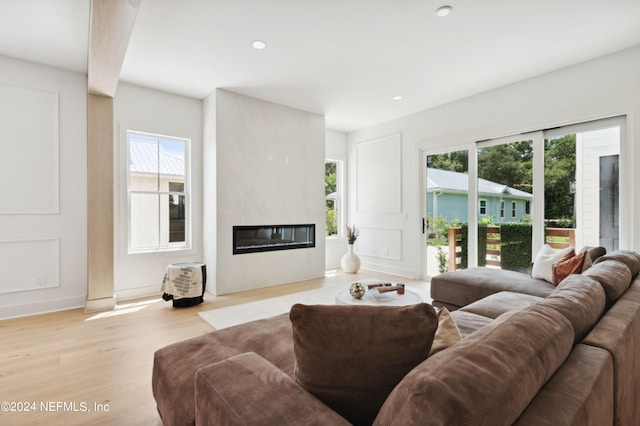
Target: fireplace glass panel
column 252, row 239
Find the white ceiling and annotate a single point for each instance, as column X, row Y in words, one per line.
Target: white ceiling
column 345, row 59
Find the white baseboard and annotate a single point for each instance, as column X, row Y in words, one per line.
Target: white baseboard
column 97, row 305
column 138, row 293
column 389, row 270
column 43, row 307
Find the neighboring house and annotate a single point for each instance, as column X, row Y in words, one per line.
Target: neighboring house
column 447, row 194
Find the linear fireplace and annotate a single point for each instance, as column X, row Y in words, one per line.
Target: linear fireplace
column 252, row 239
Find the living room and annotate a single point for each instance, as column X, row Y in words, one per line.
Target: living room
column 598, row 85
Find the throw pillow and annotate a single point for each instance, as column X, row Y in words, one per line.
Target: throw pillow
column 567, row 266
column 447, row 333
column 587, row 262
column 545, row 260
column 351, row 357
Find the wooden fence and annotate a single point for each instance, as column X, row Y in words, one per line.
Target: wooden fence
column 494, row 244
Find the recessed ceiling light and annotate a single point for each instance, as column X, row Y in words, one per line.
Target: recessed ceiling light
column 397, row 98
column 259, row 44
column 444, row 11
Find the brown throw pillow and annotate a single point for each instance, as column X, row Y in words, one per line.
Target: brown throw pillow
column 351, row 357
column 567, row 266
column 447, row 333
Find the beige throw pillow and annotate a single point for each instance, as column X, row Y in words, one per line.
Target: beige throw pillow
column 447, row 333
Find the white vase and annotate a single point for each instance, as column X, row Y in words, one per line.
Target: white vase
column 350, row 262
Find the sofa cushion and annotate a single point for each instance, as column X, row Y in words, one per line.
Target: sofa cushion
column 465, row 286
column 543, row 263
column 351, row 357
column 579, row 393
column 618, row 332
column 614, row 277
column 488, row 378
column 594, row 252
column 469, row 322
column 629, row 258
column 246, row 390
column 175, row 365
column 497, row 304
column 447, row 333
column 581, row 300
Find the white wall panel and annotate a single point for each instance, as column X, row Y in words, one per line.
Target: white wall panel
column 30, row 265
column 379, row 175
column 28, row 150
column 382, row 243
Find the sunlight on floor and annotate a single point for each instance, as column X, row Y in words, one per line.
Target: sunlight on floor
column 122, row 309
column 330, row 273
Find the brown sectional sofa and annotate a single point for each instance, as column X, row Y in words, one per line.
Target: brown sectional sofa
column 567, row 356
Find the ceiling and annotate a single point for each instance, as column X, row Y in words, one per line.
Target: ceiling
column 345, row 59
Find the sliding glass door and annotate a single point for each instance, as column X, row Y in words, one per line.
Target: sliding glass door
column 559, row 187
column 582, row 184
column 504, row 202
column 445, row 224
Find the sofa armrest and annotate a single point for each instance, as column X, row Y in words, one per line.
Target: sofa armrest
column 248, row 390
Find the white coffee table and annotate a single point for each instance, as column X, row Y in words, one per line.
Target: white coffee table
column 410, row 297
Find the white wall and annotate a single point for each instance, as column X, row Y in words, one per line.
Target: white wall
column 269, row 171
column 596, row 89
column 43, row 246
column 152, row 111
column 336, row 149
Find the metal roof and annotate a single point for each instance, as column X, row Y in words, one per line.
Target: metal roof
column 448, row 181
column 152, row 158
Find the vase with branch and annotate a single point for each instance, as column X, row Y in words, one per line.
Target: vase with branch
column 350, row 262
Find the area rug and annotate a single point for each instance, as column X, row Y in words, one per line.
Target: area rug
column 238, row 314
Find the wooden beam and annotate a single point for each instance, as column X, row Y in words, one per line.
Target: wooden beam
column 110, row 29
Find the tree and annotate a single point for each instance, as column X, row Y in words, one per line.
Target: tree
column 455, row 161
column 329, row 177
column 508, row 164
column 559, row 173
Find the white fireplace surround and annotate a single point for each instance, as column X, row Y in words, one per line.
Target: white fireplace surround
column 269, row 168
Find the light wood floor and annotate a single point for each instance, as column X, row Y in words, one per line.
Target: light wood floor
column 103, row 361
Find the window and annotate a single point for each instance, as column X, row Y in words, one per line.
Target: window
column 158, row 192
column 501, row 209
column 483, row 207
column 333, row 197
column 513, row 209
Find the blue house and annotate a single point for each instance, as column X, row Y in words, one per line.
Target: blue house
column 447, row 197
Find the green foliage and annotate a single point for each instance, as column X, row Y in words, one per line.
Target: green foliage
column 526, row 218
column 486, row 221
column 515, row 250
column 438, row 230
column 508, row 164
column 464, row 245
column 559, row 172
column 482, row 244
column 332, row 221
column 441, row 256
column 330, row 175
column 455, row 161
column 564, row 222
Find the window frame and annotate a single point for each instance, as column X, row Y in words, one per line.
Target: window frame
column 338, row 199
column 482, row 201
column 186, row 193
